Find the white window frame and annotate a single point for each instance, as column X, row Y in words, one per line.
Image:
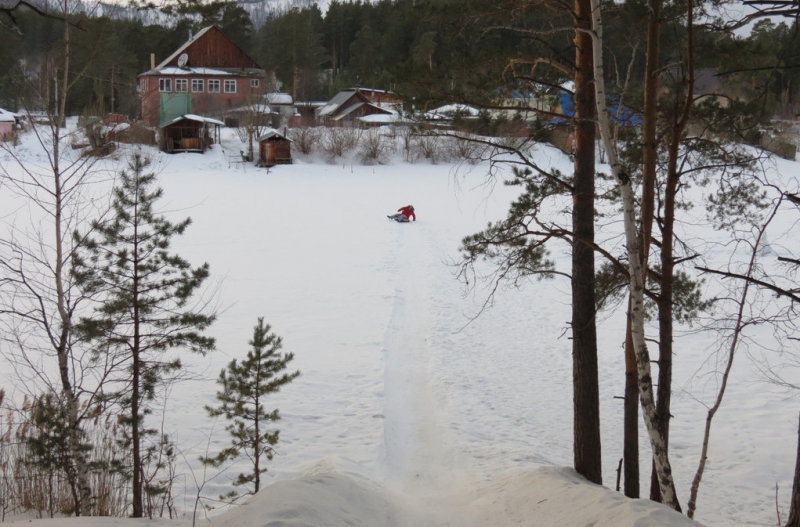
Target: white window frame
column 164, row 85
column 254, row 83
column 198, row 85
column 230, row 85
column 213, row 85
column 181, row 85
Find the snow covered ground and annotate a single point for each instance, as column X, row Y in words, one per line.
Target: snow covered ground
column 408, row 412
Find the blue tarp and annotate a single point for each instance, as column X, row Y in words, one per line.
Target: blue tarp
column 626, row 115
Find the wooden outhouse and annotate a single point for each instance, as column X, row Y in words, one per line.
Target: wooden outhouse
column 274, row 149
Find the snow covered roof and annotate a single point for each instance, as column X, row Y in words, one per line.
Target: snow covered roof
column 449, row 111
column 270, row 133
column 193, row 117
column 381, row 118
column 256, row 108
column 172, row 70
column 7, row 117
column 279, row 98
column 332, row 105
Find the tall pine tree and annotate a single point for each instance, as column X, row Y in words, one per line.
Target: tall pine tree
column 148, row 305
column 245, row 386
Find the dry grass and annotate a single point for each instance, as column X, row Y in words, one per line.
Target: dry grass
column 33, row 487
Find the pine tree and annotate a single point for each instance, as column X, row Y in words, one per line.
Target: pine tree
column 245, row 386
column 147, row 307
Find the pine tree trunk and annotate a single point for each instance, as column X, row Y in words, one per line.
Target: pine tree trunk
column 136, row 367
column 636, row 312
column 586, row 399
column 794, row 510
column 649, row 163
column 631, row 417
column 662, row 414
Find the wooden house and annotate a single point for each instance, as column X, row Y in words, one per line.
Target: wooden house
column 189, row 133
column 207, row 75
column 350, row 105
column 274, row 149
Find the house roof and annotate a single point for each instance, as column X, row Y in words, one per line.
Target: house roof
column 7, row 117
column 185, row 45
column 279, row 98
column 272, row 133
column 208, row 55
column 196, row 118
column 617, row 114
column 338, row 100
column 451, row 110
column 172, row 70
column 254, row 108
column 378, row 118
column 347, row 101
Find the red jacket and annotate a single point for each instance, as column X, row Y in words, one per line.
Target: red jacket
column 408, row 212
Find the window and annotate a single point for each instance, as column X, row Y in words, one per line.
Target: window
column 213, row 85
column 181, row 85
column 254, row 83
column 230, row 86
column 197, row 85
column 165, row 85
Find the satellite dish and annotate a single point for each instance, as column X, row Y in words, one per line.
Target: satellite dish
column 182, row 60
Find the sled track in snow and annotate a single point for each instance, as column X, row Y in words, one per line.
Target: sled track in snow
column 416, row 448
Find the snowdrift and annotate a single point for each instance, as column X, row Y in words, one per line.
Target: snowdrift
column 549, row 496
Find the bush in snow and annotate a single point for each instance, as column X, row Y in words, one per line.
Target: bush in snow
column 336, row 142
column 465, row 148
column 304, row 138
column 429, row 146
column 375, row 148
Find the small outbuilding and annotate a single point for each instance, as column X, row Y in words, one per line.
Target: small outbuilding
column 274, row 149
column 189, row 133
column 9, row 123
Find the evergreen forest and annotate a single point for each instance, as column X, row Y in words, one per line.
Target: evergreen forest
column 432, row 50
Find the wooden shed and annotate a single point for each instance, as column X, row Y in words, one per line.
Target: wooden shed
column 8, row 125
column 189, row 133
column 274, row 149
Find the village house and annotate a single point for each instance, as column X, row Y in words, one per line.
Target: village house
column 282, row 104
column 207, row 75
column 350, row 105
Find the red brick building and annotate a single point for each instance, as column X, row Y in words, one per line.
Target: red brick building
column 207, row 75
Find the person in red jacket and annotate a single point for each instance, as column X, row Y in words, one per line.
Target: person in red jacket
column 404, row 214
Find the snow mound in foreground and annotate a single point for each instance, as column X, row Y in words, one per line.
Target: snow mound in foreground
column 544, row 497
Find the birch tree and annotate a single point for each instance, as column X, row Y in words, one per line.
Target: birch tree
column 636, row 272
column 37, row 292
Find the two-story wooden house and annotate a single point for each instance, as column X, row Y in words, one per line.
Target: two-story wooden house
column 207, row 75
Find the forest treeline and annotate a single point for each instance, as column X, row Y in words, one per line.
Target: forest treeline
column 436, row 50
